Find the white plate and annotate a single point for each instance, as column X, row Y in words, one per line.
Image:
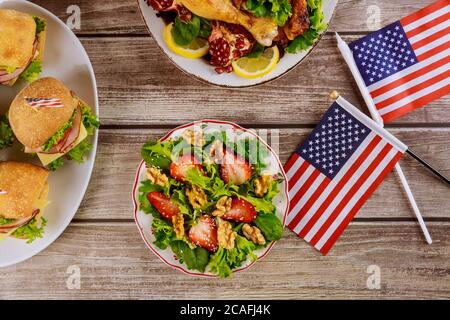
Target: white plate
column 200, row 69
column 65, row 59
column 144, row 221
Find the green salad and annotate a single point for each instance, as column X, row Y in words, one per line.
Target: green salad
column 211, row 198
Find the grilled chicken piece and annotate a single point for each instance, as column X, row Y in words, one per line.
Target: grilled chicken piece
column 298, row 23
column 262, row 29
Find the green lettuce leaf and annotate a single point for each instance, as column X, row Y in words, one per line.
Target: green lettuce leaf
column 32, row 72
column 78, row 153
column 4, row 221
column 279, row 10
column 157, row 154
column 40, row 25
column 31, row 231
column 224, row 260
column 6, row 133
column 163, row 231
column 316, row 26
column 55, row 165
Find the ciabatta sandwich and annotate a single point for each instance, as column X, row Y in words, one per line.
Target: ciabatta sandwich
column 51, row 121
column 23, row 198
column 22, row 41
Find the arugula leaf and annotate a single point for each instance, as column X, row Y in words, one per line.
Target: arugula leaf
column 224, row 260
column 184, row 33
column 31, row 230
column 316, row 26
column 196, row 259
column 279, row 10
column 40, row 25
column 270, row 226
column 55, row 165
column 6, row 133
column 32, row 72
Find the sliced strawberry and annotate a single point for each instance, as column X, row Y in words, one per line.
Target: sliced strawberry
column 179, row 168
column 235, row 169
column 241, row 211
column 165, row 207
column 204, row 233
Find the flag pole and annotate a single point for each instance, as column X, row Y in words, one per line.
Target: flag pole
column 347, row 55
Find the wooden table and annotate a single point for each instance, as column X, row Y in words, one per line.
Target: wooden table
column 142, row 95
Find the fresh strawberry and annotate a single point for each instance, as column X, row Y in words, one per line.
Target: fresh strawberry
column 178, row 168
column 204, row 233
column 241, row 211
column 235, row 169
column 165, row 207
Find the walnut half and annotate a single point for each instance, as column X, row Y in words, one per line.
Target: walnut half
column 225, row 235
column 223, row 205
column 156, row 176
column 253, row 234
column 262, row 185
column 194, row 137
column 197, row 197
column 178, row 225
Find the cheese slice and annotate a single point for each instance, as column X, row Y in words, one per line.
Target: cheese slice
column 49, row 158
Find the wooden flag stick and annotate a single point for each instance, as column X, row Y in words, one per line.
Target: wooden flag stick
column 348, row 57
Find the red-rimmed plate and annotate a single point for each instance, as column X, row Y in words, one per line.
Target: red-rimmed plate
column 144, row 221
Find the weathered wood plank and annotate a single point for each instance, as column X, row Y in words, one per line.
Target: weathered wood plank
column 115, row 263
column 139, row 85
column 109, row 193
column 123, row 17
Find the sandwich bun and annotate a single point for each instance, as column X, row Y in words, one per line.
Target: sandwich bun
column 34, row 126
column 23, row 184
column 17, row 36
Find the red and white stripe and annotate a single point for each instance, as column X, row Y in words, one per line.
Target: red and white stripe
column 321, row 207
column 44, row 102
column 428, row 31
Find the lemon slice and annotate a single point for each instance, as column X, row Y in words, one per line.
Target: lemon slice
column 257, row 67
column 196, row 49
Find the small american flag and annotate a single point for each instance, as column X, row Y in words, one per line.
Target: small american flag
column 407, row 64
column 334, row 172
column 44, row 102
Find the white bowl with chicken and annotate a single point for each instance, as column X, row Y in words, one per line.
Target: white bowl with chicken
column 237, row 29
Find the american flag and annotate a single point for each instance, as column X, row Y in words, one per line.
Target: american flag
column 407, row 64
column 44, row 102
column 334, row 172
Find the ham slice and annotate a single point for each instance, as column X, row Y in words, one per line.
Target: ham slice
column 74, row 133
column 18, row 223
column 67, row 141
column 5, row 76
